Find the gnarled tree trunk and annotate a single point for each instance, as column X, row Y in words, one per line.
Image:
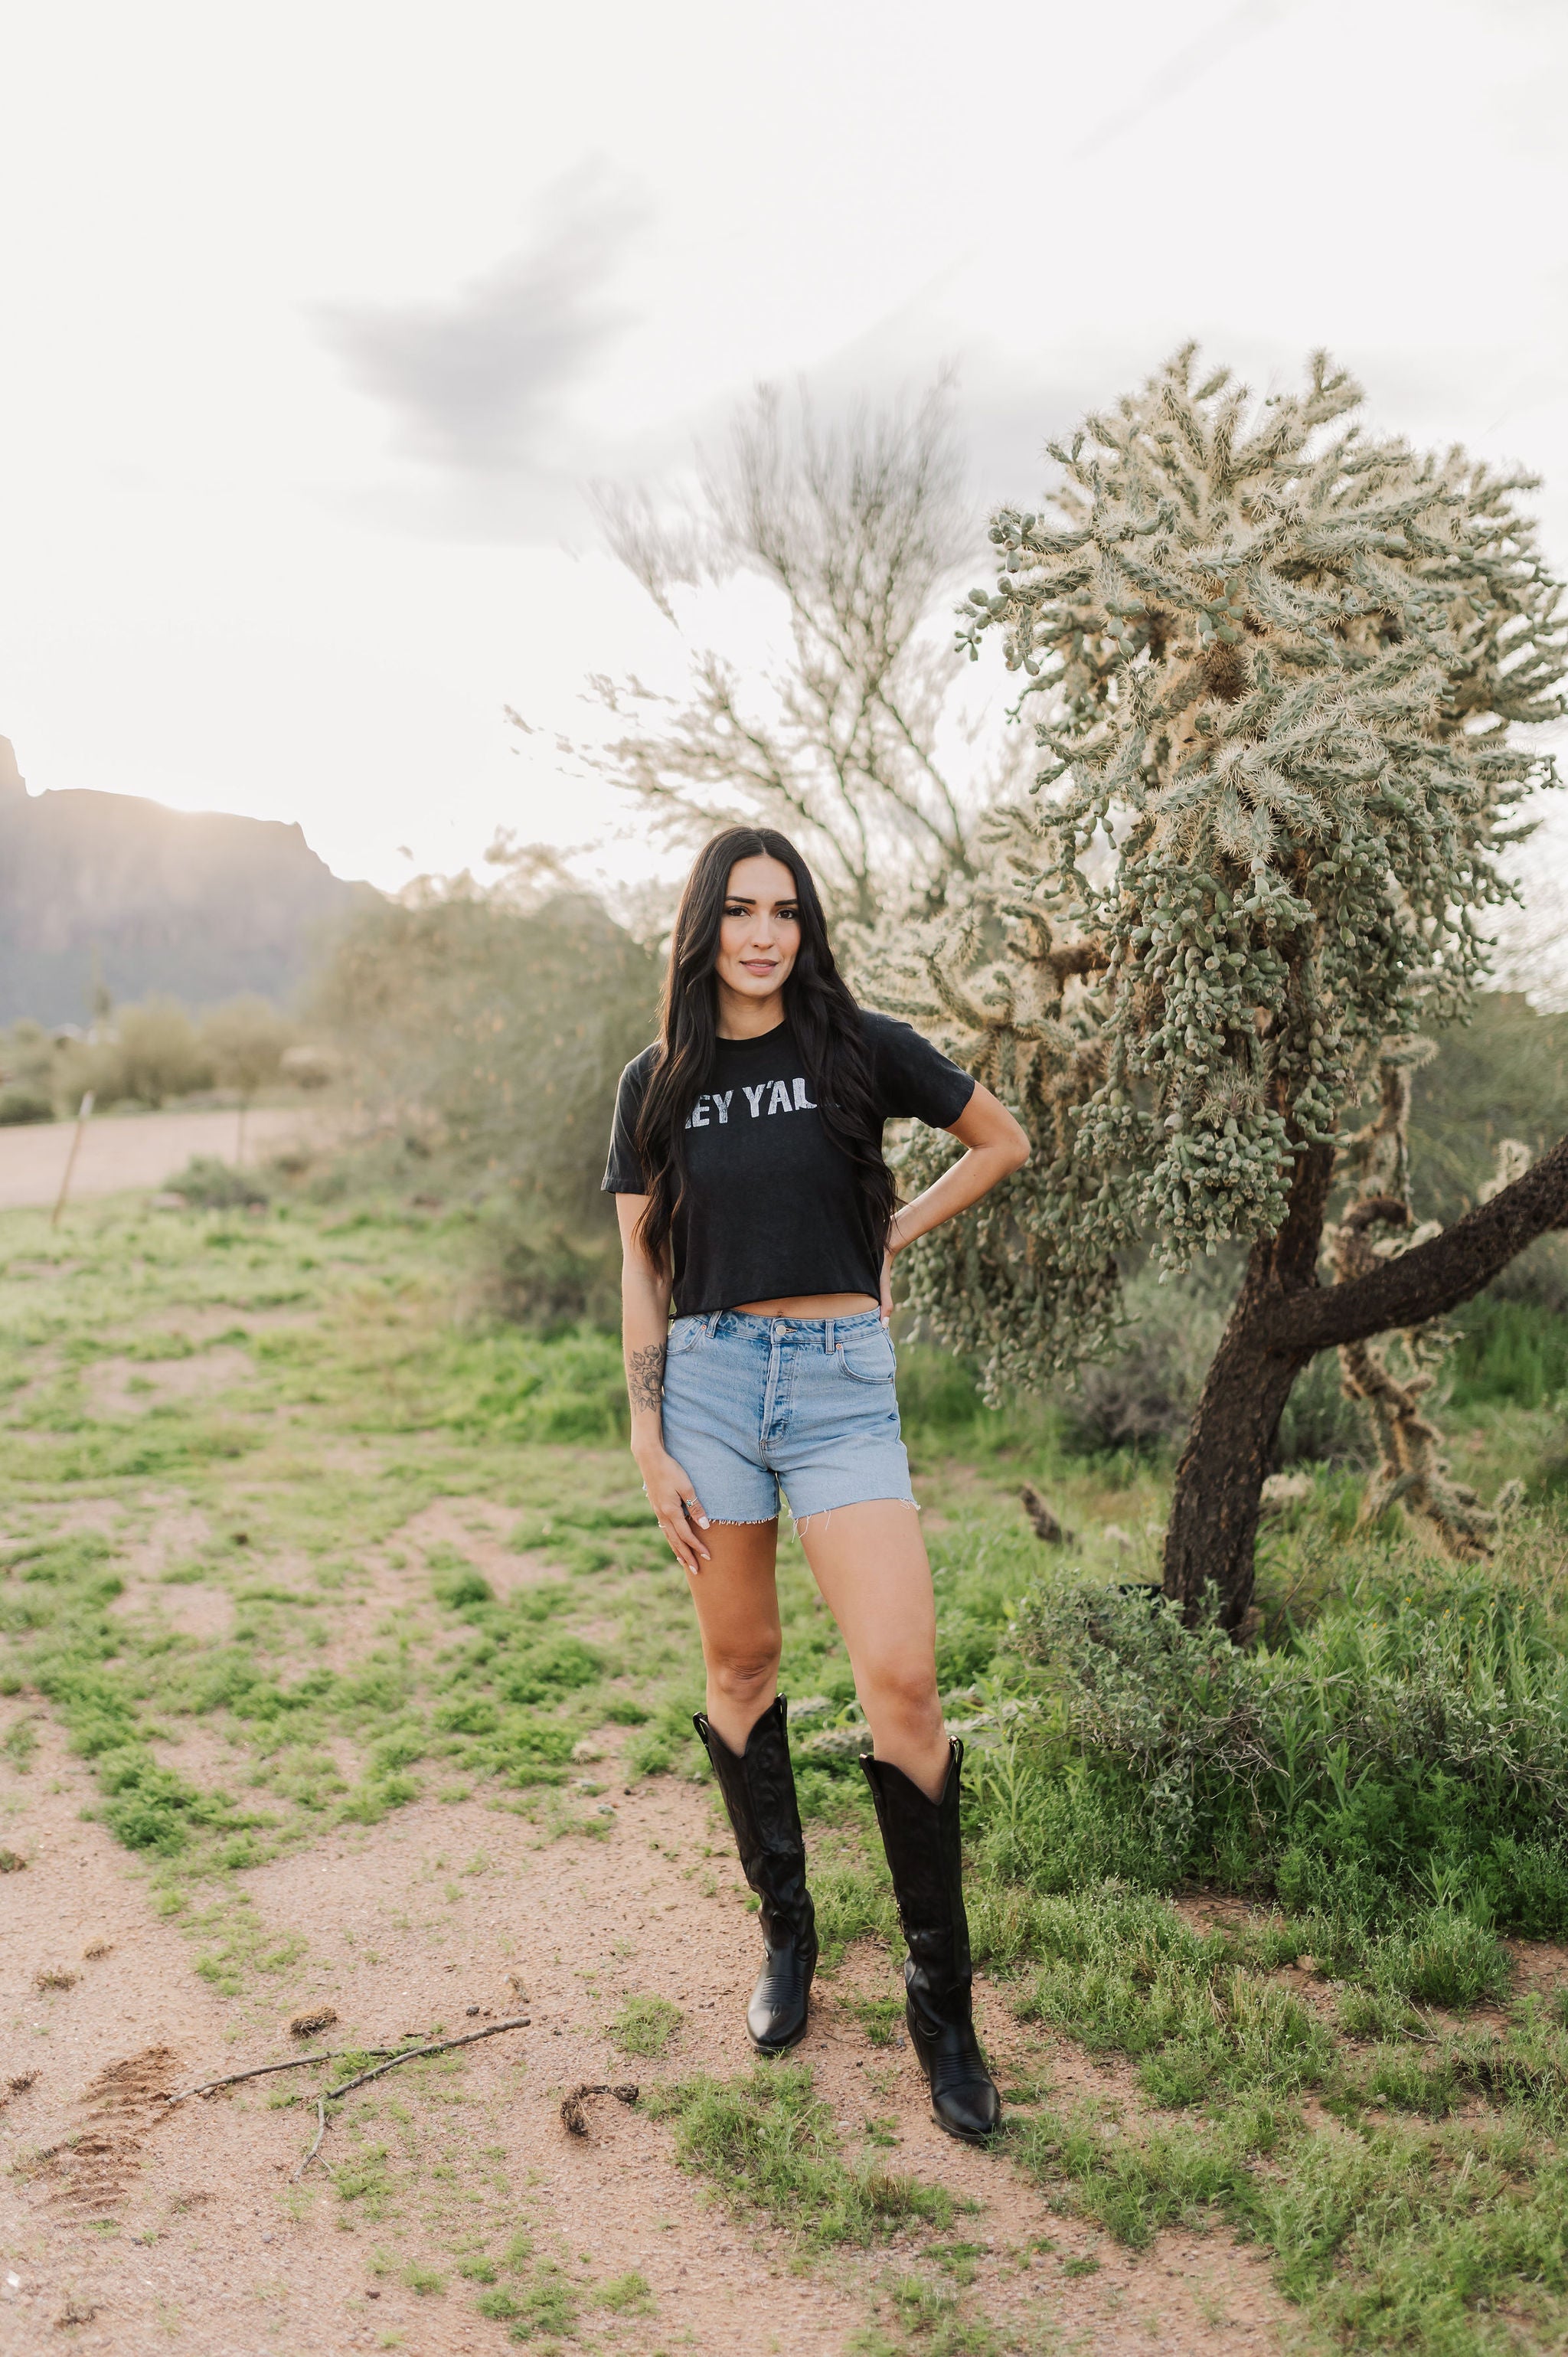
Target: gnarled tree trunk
column 1283, row 1316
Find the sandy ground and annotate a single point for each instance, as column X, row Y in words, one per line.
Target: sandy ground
column 161, row 2226
column 142, row 1149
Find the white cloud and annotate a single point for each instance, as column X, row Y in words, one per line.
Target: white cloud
column 479, row 383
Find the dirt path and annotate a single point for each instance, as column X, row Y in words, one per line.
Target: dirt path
column 142, row 1149
column 236, row 1441
column 183, row 2222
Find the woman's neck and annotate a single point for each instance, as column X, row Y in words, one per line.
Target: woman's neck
column 747, row 1018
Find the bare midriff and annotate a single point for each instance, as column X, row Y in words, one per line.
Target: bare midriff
column 807, row 1304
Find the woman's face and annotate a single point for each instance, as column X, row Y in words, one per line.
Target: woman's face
column 759, row 938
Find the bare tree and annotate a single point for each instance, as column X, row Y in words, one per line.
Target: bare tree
column 857, row 741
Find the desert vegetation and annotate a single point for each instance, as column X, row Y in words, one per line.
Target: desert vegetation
column 1270, row 1861
column 148, row 1054
column 1350, row 2054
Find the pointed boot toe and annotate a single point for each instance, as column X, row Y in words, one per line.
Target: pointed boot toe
column 781, row 2003
column 964, row 2101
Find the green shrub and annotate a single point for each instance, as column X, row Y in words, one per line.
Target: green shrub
column 208, row 1184
column 1402, row 1748
column 25, row 1100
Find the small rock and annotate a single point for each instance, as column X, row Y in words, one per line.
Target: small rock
column 470, row 2008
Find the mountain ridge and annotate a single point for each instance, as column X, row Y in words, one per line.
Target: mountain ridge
column 114, row 890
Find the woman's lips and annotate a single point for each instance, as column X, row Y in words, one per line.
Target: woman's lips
column 759, row 965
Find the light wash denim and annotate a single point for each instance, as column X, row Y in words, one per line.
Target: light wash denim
column 752, row 1404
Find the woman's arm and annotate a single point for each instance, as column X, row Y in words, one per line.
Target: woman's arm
column 645, row 1325
column 997, row 1146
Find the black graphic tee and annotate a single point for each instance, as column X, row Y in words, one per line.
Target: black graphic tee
column 772, row 1206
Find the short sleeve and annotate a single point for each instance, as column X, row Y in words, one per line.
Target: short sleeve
column 624, row 1173
column 914, row 1080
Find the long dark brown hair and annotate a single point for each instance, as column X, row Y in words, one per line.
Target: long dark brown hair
column 826, row 1022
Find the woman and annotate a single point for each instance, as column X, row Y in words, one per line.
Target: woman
column 747, row 1164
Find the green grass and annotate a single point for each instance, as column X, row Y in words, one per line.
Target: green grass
column 461, row 1687
column 1385, row 1779
column 769, row 2142
column 1512, row 1351
column 645, row 2025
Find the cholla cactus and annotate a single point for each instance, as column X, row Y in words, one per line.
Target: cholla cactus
column 1010, row 995
column 1276, row 667
column 1393, row 1376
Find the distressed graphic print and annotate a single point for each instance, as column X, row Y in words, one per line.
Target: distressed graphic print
column 716, row 1107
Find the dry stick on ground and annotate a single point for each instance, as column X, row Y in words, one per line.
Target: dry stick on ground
column 320, row 2131
column 409, row 2054
column 339, row 2053
column 412, row 2053
column 265, row 2069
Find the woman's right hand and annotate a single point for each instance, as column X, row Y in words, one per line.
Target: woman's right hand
column 678, row 1507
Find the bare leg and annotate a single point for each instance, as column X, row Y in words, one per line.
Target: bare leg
column 738, row 1612
column 870, row 1563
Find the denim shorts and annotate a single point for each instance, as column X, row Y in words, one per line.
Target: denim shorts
column 751, row 1404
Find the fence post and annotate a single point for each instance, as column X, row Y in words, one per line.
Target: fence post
column 84, row 1114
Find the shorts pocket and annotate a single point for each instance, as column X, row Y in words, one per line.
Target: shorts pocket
column 687, row 1334
column 867, row 1357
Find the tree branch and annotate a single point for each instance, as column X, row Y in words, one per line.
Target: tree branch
column 1433, row 1278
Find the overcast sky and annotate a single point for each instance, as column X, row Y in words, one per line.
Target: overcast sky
column 319, row 317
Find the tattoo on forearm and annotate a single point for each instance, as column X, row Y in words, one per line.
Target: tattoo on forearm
column 645, row 1375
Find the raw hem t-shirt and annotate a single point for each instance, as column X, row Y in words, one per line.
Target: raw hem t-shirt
column 772, row 1206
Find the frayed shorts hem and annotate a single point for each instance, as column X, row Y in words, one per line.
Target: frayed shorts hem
column 816, row 1514
column 821, row 1513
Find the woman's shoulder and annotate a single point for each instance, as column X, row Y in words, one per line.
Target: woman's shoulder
column 884, row 1030
column 636, row 1073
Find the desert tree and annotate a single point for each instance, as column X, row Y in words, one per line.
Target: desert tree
column 245, row 1040
column 854, row 738
column 1280, row 669
column 488, row 1023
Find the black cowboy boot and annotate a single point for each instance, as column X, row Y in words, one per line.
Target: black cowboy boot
column 921, row 1838
column 758, row 1788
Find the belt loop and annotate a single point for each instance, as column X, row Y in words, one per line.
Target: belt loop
column 830, row 1338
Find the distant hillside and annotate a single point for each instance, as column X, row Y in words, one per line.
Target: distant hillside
column 201, row 906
